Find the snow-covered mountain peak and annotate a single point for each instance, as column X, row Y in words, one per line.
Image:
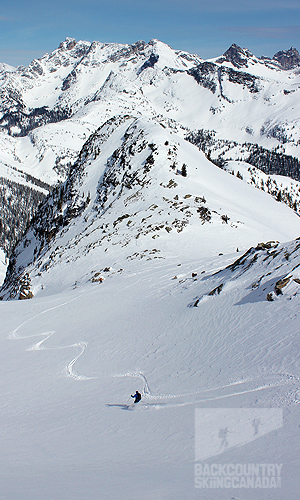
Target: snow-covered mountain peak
column 67, row 53
column 69, row 43
column 243, row 59
column 6, row 68
column 171, row 58
column 237, row 56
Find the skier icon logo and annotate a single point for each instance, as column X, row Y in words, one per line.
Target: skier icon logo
column 219, row 429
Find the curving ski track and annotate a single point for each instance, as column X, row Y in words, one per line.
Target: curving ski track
column 38, row 346
column 151, row 400
column 240, row 387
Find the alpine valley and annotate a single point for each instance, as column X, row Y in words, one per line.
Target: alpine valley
column 150, row 206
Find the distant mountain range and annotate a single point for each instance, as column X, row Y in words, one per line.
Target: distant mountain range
column 136, row 143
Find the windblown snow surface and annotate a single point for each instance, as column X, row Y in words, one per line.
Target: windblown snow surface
column 71, row 360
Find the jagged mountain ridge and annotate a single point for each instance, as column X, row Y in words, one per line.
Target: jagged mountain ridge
column 138, row 191
column 81, row 84
column 49, row 109
column 288, row 59
column 284, row 59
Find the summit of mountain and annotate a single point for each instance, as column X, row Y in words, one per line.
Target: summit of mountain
column 237, row 56
column 288, row 59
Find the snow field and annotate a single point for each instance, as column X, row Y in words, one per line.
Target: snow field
column 67, row 356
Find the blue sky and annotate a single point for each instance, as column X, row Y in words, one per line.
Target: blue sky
column 30, row 28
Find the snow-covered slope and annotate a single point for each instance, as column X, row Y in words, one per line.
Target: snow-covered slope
column 127, row 198
column 70, row 362
column 280, row 187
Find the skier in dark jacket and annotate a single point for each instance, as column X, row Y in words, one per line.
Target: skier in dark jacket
column 137, row 397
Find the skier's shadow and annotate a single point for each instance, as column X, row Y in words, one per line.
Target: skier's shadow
column 122, row 407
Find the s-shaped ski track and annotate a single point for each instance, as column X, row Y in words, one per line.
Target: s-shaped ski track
column 69, row 369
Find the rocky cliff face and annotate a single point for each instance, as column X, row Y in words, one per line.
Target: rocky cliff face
column 288, row 59
column 237, row 56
